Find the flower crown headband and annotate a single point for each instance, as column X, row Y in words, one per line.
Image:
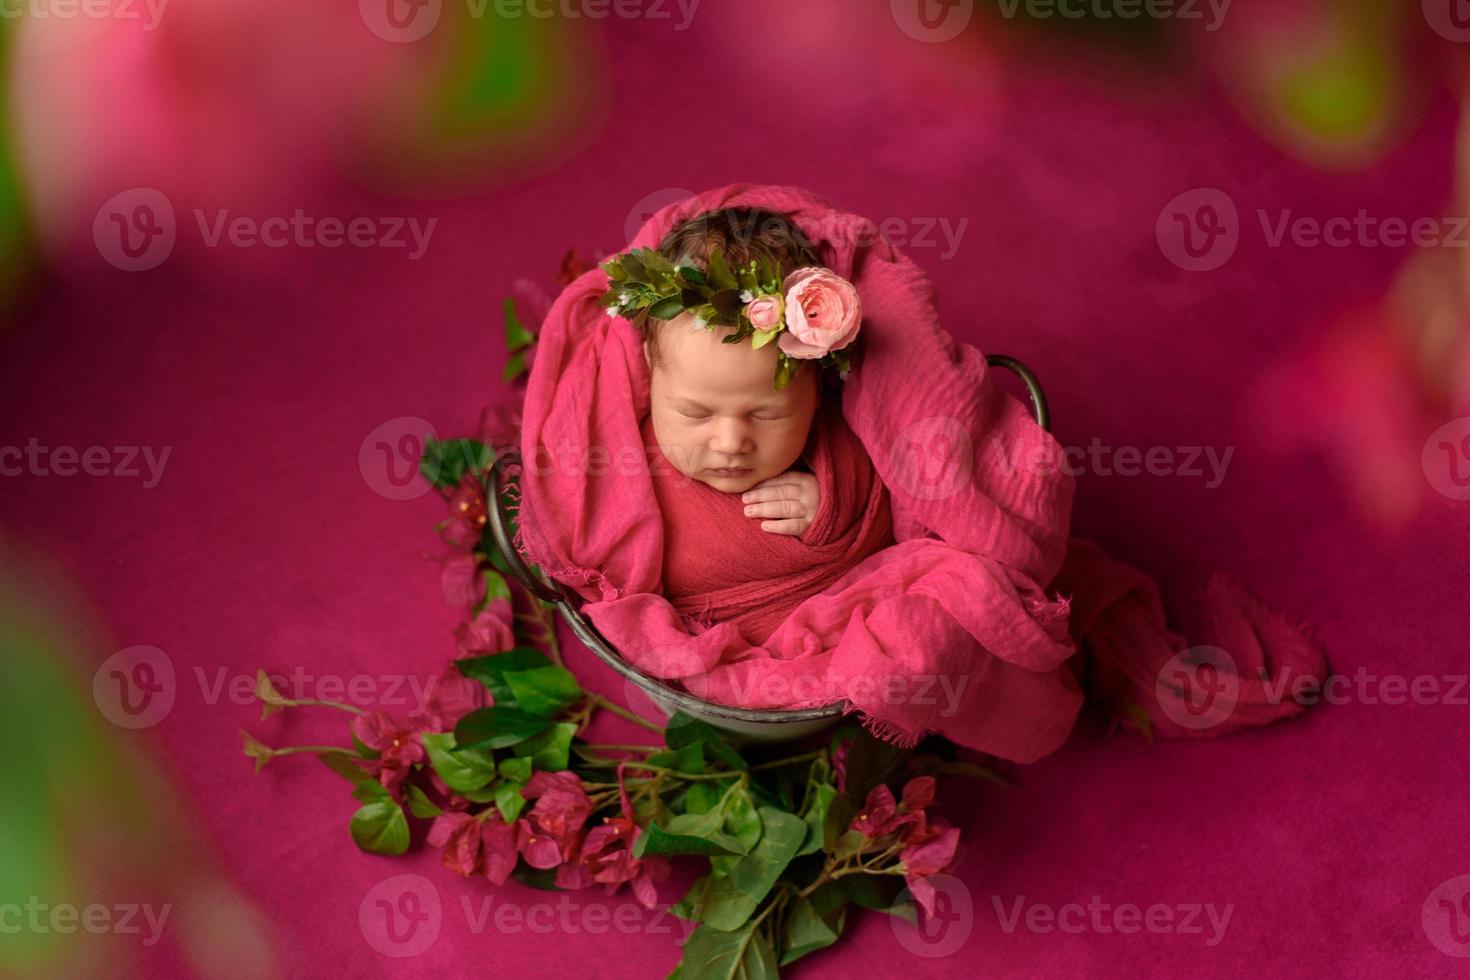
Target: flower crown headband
column 814, row 314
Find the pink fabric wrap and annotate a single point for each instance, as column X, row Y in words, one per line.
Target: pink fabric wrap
column 719, row 566
column 950, row 630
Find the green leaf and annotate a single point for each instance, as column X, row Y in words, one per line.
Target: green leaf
column 445, row 461
column 491, row 669
column 509, row 801
column 518, row 769
column 692, row 275
column 688, row 833
column 654, row 261
column 841, row 810
column 515, row 366
column 687, row 758
column 346, row 768
column 633, row 266
column 742, row 821
column 614, row 270
column 516, row 335
column 496, row 587
column 667, row 308
column 726, row 302
column 543, row 691
column 871, row 761
column 370, row 792
column 683, row 730
column 730, row 901
column 816, row 816
column 719, row 273
column 764, row 337
column 878, row 892
column 380, row 828
column 542, row 878
column 786, row 368
column 463, row 770
column 813, row 922
column 551, row 750
column 497, row 727
column 702, row 796
column 420, row 805
column 713, row 955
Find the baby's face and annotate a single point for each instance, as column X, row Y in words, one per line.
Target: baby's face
column 714, row 407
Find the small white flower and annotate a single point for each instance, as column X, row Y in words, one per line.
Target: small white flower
column 624, row 297
column 746, row 296
column 699, row 323
column 612, row 311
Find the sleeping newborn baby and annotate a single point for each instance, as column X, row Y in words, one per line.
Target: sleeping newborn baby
column 767, row 496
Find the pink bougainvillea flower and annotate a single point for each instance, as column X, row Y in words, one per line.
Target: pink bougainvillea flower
column 923, row 859
column 839, row 764
column 467, row 517
column 501, row 843
column 491, row 631
column 459, row 835
column 879, row 815
column 607, row 854
column 398, row 748
column 451, row 696
column 554, row 828
column 461, row 581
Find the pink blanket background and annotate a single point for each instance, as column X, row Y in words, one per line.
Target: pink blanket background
column 267, row 544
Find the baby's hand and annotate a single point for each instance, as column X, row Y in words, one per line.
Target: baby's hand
column 792, row 497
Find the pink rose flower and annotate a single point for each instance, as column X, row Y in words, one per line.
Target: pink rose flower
column 765, row 312
column 822, row 313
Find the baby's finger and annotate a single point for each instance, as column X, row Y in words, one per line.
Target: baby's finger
column 766, row 491
column 793, row 526
column 775, row 508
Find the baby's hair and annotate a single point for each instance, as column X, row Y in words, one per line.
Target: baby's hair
column 743, row 234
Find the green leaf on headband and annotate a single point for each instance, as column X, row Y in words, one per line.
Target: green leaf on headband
column 719, row 273
column 667, row 308
column 726, row 302
column 692, row 299
column 633, row 267
column 764, row 337
column 614, row 270
column 786, row 368
column 692, row 275
column 655, row 263
column 516, row 335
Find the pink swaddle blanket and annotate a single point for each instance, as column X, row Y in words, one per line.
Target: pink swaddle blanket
column 950, row 630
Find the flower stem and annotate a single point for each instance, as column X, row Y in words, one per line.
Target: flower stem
column 622, row 712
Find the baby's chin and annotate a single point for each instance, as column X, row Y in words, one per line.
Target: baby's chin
column 729, row 484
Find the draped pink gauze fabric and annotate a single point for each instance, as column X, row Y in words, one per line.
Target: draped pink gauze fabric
column 950, row 630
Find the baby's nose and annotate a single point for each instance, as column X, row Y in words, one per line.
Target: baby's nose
column 730, row 437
